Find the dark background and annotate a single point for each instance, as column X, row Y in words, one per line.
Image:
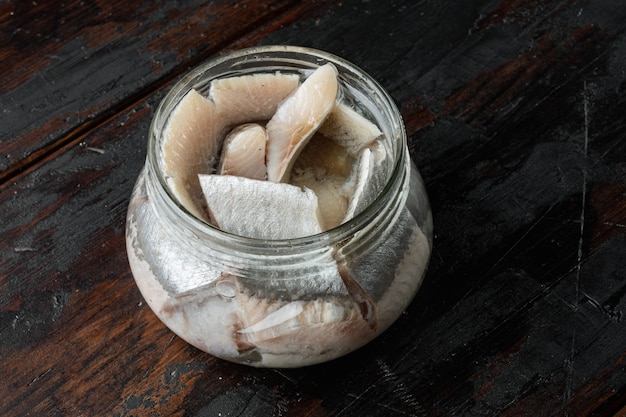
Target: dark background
column 515, row 115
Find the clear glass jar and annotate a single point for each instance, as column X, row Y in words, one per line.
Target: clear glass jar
column 281, row 303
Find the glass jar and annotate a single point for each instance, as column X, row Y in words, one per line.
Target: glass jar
column 281, row 303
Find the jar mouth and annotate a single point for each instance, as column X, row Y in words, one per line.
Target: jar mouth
column 249, row 59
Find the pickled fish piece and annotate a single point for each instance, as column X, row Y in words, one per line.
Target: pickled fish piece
column 276, row 318
column 260, row 209
column 251, row 98
column 191, row 144
column 243, row 152
column 367, row 180
column 297, row 119
column 349, row 129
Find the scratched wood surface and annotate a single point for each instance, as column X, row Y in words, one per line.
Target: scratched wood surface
column 515, row 112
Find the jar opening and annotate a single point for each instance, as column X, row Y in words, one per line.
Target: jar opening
column 356, row 85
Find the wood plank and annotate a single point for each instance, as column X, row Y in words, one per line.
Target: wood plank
column 515, row 116
column 67, row 68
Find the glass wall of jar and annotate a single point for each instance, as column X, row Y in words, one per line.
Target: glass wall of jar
column 278, row 302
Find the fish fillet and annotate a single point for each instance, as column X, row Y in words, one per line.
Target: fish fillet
column 251, row 98
column 260, row 209
column 297, row 119
column 367, row 180
column 349, row 129
column 243, row 152
column 191, row 142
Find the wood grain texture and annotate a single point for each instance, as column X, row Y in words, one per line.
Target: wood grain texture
column 515, row 116
column 68, row 68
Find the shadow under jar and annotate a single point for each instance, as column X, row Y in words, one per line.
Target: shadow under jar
column 288, row 302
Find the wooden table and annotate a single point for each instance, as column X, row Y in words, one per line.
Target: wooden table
column 516, row 114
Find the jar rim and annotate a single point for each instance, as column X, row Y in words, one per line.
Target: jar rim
column 285, row 53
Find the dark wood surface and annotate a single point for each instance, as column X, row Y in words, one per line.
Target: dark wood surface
column 515, row 111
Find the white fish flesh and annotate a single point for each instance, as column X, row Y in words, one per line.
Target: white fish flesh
column 243, row 152
column 190, row 146
column 251, row 98
column 297, row 119
column 349, row 129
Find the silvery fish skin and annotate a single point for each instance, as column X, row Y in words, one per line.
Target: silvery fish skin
column 268, row 319
column 260, row 209
column 367, row 179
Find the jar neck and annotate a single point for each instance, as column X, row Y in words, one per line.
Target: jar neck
column 207, row 240
column 376, row 105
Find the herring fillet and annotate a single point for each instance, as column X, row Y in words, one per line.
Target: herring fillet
column 359, row 183
column 366, row 180
column 349, row 129
column 260, row 209
column 297, row 119
column 191, row 140
column 251, row 98
column 243, row 152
